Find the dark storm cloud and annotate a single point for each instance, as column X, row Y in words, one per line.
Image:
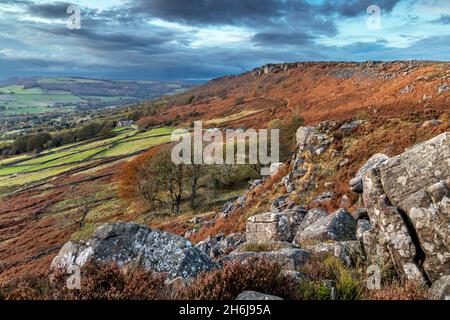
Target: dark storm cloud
column 212, row 12
column 354, row 8
column 252, row 12
column 276, row 38
column 443, row 19
column 54, row 10
column 116, row 41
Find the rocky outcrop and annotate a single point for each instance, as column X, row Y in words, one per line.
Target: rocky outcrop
column 338, row 226
column 356, row 183
column 133, row 244
column 254, row 296
column 274, row 226
column 407, row 199
column 349, row 127
column 219, row 245
column 309, row 138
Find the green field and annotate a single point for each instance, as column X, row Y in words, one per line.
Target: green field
column 64, row 94
column 29, row 168
column 18, row 99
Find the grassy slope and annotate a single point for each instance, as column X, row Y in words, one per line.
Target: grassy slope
column 29, row 168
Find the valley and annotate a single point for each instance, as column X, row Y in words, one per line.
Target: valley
column 53, row 95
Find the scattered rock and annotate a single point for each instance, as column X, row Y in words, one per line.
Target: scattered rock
column 323, row 197
column 220, row 245
column 255, row 296
column 195, row 220
column 345, row 201
column 255, row 183
column 443, row 88
column 231, row 206
column 408, row 89
column 134, row 244
column 349, row 127
column 356, row 183
column 289, row 259
column 350, row 252
column 274, row 226
column 344, row 162
column 431, row 123
column 308, row 138
column 280, row 203
column 338, row 226
column 361, row 227
column 190, row 233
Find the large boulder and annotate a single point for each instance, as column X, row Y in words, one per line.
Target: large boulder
column 356, row 183
column 133, row 244
column 338, row 226
column 274, row 226
column 289, row 258
column 312, row 216
column 407, row 198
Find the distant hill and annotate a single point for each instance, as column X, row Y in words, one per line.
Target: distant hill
column 38, row 95
column 315, row 90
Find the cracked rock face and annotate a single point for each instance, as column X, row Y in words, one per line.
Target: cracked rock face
column 134, row 244
column 356, row 183
column 407, row 198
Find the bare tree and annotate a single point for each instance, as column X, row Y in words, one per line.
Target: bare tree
column 83, row 210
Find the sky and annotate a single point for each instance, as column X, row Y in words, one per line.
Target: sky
column 204, row 39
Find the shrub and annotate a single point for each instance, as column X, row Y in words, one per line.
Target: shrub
column 235, row 277
column 349, row 282
column 98, row 282
column 239, row 101
column 263, row 247
column 396, row 291
column 191, row 99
